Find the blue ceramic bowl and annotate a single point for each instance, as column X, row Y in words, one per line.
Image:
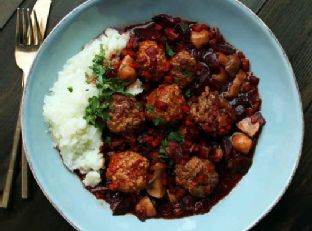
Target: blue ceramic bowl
column 278, row 150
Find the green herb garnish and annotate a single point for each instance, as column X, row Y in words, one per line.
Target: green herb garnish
column 176, row 136
column 96, row 112
column 184, row 27
column 150, row 108
column 162, row 153
column 163, row 146
column 187, row 93
column 70, row 89
column 186, row 72
column 158, row 121
column 108, row 140
column 169, row 51
column 172, row 136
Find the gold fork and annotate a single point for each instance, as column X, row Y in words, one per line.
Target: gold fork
column 28, row 40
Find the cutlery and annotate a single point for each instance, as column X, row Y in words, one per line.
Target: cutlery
column 42, row 9
column 26, row 44
column 30, row 30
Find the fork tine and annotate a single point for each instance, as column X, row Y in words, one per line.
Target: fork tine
column 24, row 27
column 30, row 31
column 37, row 29
column 18, row 27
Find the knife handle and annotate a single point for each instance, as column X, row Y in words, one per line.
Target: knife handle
column 11, row 168
column 25, row 177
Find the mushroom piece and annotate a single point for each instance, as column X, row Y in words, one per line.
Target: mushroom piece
column 172, row 198
column 199, row 39
column 246, row 126
column 145, row 207
column 236, row 84
column 156, row 187
column 135, row 88
column 222, row 77
column 241, row 142
column 222, row 58
column 126, row 72
column 232, row 65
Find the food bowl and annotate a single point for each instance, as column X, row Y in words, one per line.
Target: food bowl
column 275, row 158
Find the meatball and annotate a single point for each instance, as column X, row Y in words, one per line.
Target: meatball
column 126, row 114
column 183, row 68
column 152, row 61
column 165, row 103
column 198, row 176
column 127, row 171
column 213, row 113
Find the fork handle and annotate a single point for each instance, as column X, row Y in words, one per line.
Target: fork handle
column 10, row 173
column 24, row 164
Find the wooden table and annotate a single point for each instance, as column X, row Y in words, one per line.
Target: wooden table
column 291, row 22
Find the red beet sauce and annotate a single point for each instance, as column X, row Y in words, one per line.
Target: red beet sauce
column 231, row 165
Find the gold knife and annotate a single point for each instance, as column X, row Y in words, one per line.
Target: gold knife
column 42, row 9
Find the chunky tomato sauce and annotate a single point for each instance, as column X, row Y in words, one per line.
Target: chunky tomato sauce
column 181, row 145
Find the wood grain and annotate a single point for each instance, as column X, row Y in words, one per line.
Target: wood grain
column 254, row 5
column 291, row 22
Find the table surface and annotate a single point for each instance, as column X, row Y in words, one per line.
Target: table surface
column 291, row 22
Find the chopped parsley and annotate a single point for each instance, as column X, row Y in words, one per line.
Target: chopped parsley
column 158, row 121
column 70, row 89
column 187, row 93
column 162, row 155
column 163, row 146
column 96, row 112
column 172, row 136
column 169, row 51
column 186, row 72
column 165, row 159
column 176, row 136
column 108, row 140
column 150, row 108
column 184, row 27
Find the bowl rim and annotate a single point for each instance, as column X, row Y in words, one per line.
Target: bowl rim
column 81, row 7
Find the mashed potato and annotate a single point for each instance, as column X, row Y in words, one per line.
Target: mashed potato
column 64, row 109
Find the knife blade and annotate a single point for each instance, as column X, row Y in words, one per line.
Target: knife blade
column 42, row 9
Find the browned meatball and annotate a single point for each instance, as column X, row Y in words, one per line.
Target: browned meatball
column 126, row 114
column 165, row 103
column 183, row 68
column 198, row 176
column 127, row 171
column 213, row 113
column 152, row 61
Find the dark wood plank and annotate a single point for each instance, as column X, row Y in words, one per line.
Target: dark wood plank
column 291, row 22
column 254, row 5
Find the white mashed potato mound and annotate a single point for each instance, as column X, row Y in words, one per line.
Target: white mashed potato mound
column 64, row 109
